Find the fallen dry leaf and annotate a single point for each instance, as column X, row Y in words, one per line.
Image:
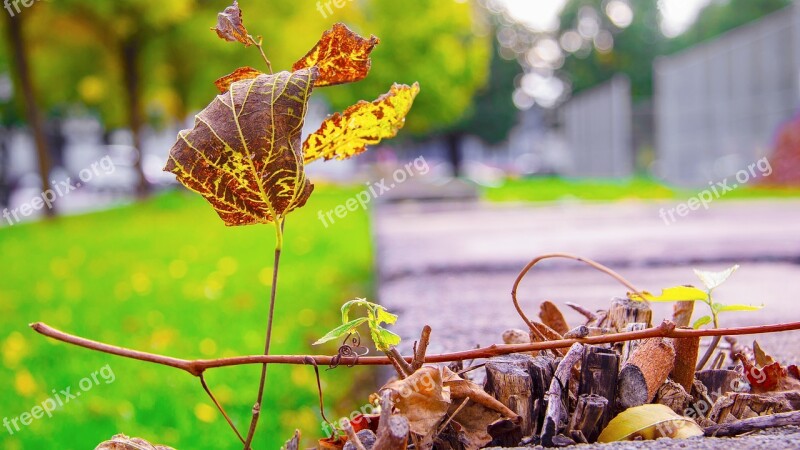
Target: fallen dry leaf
column 421, row 398
column 122, row 442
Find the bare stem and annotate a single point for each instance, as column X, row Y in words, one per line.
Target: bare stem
column 714, row 342
column 591, row 263
column 260, row 46
column 220, row 408
column 268, row 339
column 196, row 367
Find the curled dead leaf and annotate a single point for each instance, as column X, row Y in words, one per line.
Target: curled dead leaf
column 122, row 442
column 421, row 398
column 230, row 26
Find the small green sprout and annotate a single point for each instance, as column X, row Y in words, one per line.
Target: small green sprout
column 383, row 339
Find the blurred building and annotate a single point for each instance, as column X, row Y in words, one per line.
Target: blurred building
column 718, row 105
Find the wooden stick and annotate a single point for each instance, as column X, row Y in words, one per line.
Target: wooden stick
column 557, row 412
column 590, row 316
column 351, row 435
column 419, row 352
column 686, row 352
column 198, row 366
column 392, row 430
column 754, row 424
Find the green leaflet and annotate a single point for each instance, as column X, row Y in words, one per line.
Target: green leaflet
column 341, row 330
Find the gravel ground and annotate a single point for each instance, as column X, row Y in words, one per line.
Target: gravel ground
column 784, row 438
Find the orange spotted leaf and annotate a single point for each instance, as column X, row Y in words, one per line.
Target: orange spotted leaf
column 341, row 56
column 230, row 26
column 243, row 154
column 347, row 134
column 242, row 73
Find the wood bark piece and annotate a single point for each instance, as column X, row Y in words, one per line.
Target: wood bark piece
column 682, row 313
column 686, row 352
column 754, row 424
column 557, row 413
column 599, row 371
column 721, row 382
column 655, row 358
column 392, row 430
column 508, row 379
column 738, row 405
column 629, row 347
column 589, row 417
column 552, row 317
column 631, row 388
column 673, row 396
column 624, row 311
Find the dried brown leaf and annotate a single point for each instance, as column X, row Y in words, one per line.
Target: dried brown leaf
column 243, row 154
column 122, row 442
column 552, row 317
column 230, row 26
column 341, row 56
column 242, row 73
column 421, row 398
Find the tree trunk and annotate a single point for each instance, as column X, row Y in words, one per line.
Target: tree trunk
column 131, row 54
column 454, row 153
column 22, row 71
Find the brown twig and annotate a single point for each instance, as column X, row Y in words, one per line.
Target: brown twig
column 352, row 436
column 196, row 367
column 268, row 335
column 422, row 348
column 591, row 263
column 220, row 408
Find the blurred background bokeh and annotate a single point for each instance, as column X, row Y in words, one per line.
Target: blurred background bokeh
column 521, row 100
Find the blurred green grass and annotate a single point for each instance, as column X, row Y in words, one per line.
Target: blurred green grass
column 166, row 276
column 548, row 189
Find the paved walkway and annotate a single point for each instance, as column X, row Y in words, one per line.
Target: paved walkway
column 452, row 265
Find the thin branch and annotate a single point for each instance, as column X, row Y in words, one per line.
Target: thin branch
column 220, row 408
column 352, row 436
column 591, row 263
column 196, row 367
column 268, row 339
column 419, row 352
column 259, row 45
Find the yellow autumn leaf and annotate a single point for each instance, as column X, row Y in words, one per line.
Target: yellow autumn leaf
column 647, row 422
column 344, row 135
column 673, row 294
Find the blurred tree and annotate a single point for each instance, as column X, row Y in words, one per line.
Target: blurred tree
column 22, row 72
column 721, row 16
column 493, row 114
column 601, row 47
column 134, row 61
column 120, row 31
column 445, row 45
